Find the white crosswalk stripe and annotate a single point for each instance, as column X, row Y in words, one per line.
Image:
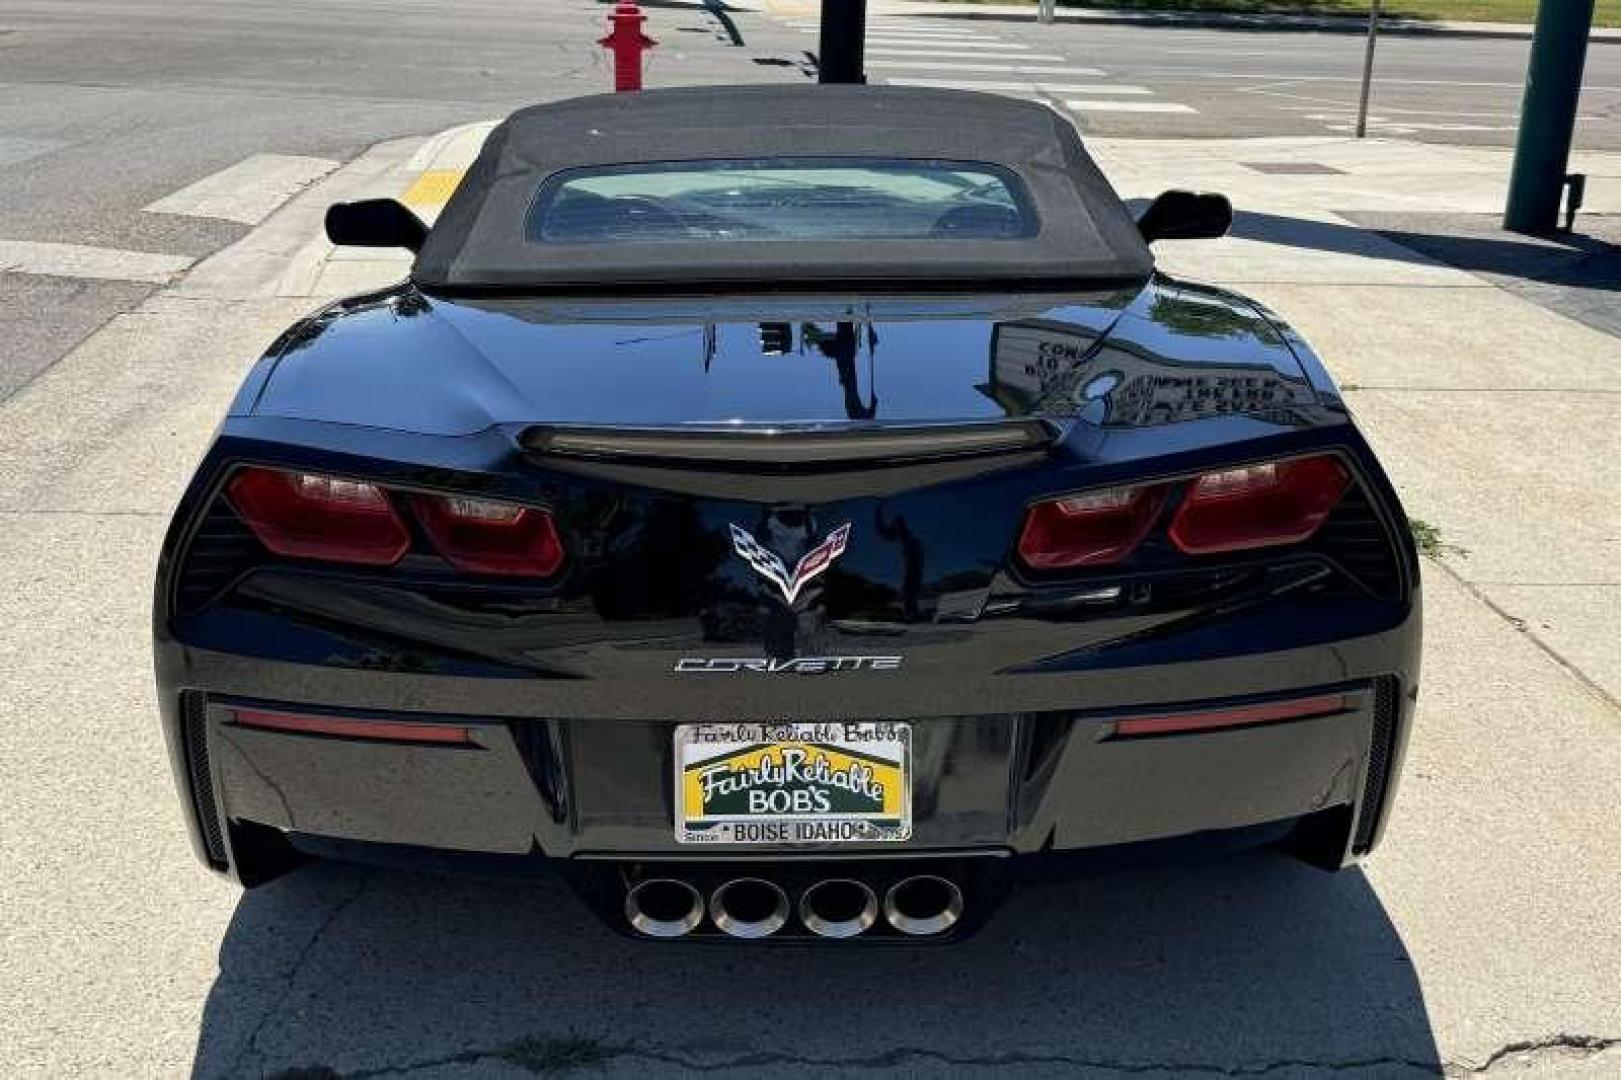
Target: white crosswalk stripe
column 948, row 42
column 247, row 192
column 966, row 43
column 1025, row 85
column 969, row 59
column 914, row 31
column 891, row 24
column 95, row 263
column 1129, row 106
column 950, row 54
column 989, row 69
column 909, row 31
column 917, row 31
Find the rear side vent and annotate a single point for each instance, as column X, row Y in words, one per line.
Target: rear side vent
column 1379, row 760
column 1354, row 537
column 194, row 722
column 220, row 550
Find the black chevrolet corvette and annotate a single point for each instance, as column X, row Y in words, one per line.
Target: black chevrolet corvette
column 795, row 511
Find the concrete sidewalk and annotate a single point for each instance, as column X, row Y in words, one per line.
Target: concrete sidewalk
column 1343, row 24
column 1481, row 938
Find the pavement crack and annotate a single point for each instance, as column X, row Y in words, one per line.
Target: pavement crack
column 886, row 1061
column 1529, row 1051
column 1518, row 624
column 250, row 1045
column 42, row 512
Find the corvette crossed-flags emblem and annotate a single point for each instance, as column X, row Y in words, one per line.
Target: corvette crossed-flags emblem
column 772, row 568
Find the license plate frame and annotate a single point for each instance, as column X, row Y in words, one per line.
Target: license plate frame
column 724, row 772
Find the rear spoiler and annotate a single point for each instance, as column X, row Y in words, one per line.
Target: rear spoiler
column 826, row 461
column 790, row 449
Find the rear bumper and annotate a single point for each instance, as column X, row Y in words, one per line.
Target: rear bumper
column 533, row 789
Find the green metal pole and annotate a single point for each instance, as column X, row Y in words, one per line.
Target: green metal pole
column 1553, row 85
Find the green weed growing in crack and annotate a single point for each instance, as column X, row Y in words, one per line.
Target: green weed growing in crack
column 553, row 1057
column 1429, row 541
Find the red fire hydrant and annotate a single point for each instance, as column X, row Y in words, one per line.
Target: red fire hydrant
column 627, row 41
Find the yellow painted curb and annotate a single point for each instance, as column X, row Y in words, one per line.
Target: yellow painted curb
column 433, row 188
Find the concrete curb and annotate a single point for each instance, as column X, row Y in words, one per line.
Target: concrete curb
column 1213, row 20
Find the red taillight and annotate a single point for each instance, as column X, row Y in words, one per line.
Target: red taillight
column 1094, row 529
column 347, row 727
column 1277, row 502
column 313, row 516
column 487, row 537
column 310, row 516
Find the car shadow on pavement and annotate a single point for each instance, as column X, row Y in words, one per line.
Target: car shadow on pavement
column 1253, row 964
column 1473, row 242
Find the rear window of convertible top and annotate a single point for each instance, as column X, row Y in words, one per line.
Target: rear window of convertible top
column 781, row 199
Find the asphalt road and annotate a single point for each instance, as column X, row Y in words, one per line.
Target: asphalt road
column 1251, row 83
column 109, row 105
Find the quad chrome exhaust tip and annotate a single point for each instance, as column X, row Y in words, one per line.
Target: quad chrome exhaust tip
column 664, row 907
column 749, row 907
column 923, row 905
column 838, row 908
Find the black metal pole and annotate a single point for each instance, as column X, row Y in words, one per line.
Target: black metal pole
column 841, row 58
column 1553, row 86
column 1367, row 71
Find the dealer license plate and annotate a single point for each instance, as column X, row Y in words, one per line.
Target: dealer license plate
column 793, row 783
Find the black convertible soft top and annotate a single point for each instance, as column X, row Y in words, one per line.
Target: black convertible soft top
column 1086, row 237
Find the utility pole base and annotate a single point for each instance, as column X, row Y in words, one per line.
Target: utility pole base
column 841, row 50
column 1553, row 88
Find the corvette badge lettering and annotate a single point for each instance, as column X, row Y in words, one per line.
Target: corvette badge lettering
column 772, row 568
column 798, row 665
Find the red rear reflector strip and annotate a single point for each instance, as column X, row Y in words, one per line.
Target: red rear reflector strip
column 352, row 728
column 1213, row 719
